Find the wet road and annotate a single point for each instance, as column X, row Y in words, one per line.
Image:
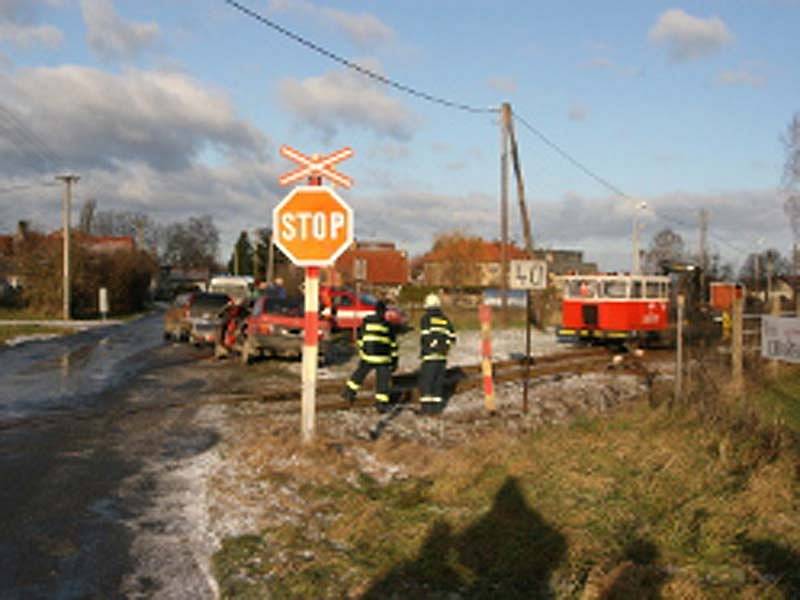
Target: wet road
column 79, row 470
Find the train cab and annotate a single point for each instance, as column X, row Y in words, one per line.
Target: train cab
column 614, row 308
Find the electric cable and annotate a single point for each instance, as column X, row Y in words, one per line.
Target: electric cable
column 355, row 66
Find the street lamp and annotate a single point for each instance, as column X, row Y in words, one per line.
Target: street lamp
column 637, row 267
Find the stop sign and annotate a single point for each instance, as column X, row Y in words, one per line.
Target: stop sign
column 313, row 226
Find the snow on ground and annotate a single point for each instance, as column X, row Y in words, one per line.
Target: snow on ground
column 226, row 491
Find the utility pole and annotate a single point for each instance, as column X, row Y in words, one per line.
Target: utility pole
column 255, row 255
column 703, row 252
column 66, row 208
column 504, row 129
column 523, row 208
column 637, row 259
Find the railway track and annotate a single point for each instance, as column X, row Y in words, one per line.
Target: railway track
column 404, row 388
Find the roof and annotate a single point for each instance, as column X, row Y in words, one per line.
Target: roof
column 384, row 264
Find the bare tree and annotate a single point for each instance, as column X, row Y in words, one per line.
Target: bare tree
column 193, row 244
column 667, row 246
column 86, row 220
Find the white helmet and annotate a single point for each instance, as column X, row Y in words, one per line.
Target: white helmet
column 432, row 301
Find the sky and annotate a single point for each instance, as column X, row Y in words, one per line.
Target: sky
column 178, row 109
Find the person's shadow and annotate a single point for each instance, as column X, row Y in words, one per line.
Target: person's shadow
column 509, row 553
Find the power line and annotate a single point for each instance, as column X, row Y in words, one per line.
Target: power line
column 27, row 186
column 28, row 136
column 355, row 66
column 607, row 184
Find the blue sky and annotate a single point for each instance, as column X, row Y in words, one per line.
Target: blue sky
column 178, row 108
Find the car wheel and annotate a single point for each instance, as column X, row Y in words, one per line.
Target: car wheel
column 167, row 335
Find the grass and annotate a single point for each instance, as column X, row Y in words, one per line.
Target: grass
column 8, row 332
column 646, row 503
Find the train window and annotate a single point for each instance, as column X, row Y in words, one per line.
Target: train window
column 581, row 288
column 615, row 288
column 636, row 289
column 653, row 289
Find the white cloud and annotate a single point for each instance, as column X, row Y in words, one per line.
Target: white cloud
column 98, row 119
column 113, row 38
column 365, row 30
column 31, row 35
column 687, row 37
column 19, row 24
column 503, row 84
column 343, row 98
column 747, row 75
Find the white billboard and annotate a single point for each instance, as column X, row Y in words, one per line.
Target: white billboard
column 780, row 338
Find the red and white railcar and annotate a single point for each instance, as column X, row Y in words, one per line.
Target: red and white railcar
column 614, row 308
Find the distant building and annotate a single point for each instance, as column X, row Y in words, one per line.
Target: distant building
column 375, row 264
column 472, row 262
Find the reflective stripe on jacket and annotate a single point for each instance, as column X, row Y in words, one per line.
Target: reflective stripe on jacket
column 437, row 334
column 377, row 343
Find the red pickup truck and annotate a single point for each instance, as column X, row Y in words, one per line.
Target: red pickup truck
column 273, row 326
column 348, row 309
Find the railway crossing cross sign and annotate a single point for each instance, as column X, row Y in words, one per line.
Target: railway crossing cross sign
column 316, row 166
column 313, row 226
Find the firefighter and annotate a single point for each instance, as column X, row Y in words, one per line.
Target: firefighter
column 377, row 349
column 436, row 336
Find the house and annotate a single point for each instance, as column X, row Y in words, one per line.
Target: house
column 375, row 264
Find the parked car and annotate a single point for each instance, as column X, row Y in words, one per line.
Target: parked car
column 348, row 309
column 205, row 316
column 273, row 326
column 176, row 318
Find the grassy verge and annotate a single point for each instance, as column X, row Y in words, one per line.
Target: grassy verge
column 646, row 503
column 8, row 332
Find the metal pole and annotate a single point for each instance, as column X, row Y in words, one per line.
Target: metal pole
column 527, row 351
column 506, row 119
column 635, row 268
column 66, row 210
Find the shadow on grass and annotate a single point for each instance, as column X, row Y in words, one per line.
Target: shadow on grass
column 638, row 576
column 776, row 563
column 509, row 553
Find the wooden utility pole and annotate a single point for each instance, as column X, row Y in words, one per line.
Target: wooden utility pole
column 255, row 256
column 523, row 208
column 504, row 129
column 66, row 209
column 679, row 351
column 737, row 346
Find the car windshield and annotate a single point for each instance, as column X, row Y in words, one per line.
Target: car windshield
column 368, row 299
column 285, row 306
column 209, row 302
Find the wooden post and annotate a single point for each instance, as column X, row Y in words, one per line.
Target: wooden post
column 527, row 351
column 679, row 351
column 504, row 128
column 310, row 353
column 485, row 316
column 774, row 365
column 737, row 336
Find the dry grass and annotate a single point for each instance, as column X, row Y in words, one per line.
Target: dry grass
column 645, row 503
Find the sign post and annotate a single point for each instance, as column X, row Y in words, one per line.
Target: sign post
column 313, row 226
column 528, row 275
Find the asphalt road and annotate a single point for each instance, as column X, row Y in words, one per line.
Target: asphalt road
column 79, row 468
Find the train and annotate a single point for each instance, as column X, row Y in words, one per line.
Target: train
column 615, row 308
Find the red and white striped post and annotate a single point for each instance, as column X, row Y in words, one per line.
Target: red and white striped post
column 313, row 226
column 308, row 409
column 485, row 317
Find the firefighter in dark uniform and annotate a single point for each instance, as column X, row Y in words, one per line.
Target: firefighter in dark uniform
column 377, row 349
column 436, row 336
